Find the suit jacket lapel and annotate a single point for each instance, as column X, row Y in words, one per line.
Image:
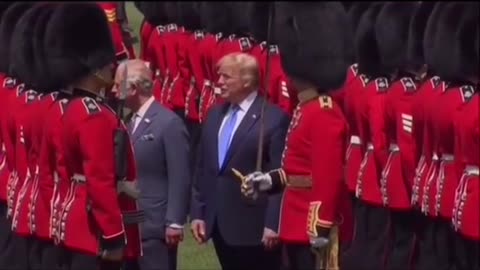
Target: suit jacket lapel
column 250, row 118
column 145, row 122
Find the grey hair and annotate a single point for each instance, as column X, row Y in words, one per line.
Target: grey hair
column 145, row 85
column 138, row 76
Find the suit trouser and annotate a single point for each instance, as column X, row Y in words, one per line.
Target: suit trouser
column 157, row 255
column 467, row 253
column 44, row 254
column 71, row 260
column 367, row 250
column 401, row 241
column 244, row 257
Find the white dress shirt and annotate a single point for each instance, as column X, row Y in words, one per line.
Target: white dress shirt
column 244, row 106
column 138, row 116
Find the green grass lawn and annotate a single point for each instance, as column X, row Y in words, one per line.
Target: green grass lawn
column 191, row 256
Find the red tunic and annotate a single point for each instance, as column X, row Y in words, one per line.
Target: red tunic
column 145, row 33
column 91, row 216
column 121, row 50
column 423, row 151
column 443, row 184
column 156, row 57
column 466, row 217
column 371, row 127
column 315, row 150
column 398, row 173
column 27, row 107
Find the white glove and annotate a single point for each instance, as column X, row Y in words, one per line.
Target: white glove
column 255, row 182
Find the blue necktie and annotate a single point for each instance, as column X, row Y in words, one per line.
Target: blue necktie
column 226, row 135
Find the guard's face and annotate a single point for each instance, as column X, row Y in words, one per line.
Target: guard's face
column 230, row 83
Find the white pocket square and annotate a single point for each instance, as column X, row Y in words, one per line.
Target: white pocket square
column 148, row 137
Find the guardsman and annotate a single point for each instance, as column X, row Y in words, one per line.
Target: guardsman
column 12, row 111
column 279, row 90
column 398, row 172
column 312, row 166
column 442, row 180
column 146, row 29
column 214, row 20
column 353, row 86
column 129, row 38
column 29, row 108
column 465, row 215
column 371, row 218
column 121, row 51
column 192, row 74
column 173, row 94
column 98, row 225
column 156, row 15
column 8, row 86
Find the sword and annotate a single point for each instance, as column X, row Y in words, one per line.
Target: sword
column 258, row 167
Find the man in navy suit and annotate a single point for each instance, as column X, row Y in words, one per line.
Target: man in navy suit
column 161, row 148
column 244, row 232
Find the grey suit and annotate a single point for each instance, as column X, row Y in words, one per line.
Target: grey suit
column 161, row 147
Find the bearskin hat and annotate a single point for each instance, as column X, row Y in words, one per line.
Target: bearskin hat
column 173, row 12
column 355, row 12
column 140, row 6
column 7, row 25
column 448, row 25
column 155, row 13
column 466, row 51
column 78, row 46
column 259, row 21
column 214, row 18
column 22, row 54
column 366, row 47
column 240, row 14
column 312, row 39
column 418, row 25
column 391, row 31
column 429, row 36
column 4, row 6
column 189, row 15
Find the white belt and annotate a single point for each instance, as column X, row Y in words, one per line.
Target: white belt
column 80, row 178
column 207, row 82
column 355, row 140
column 472, row 170
column 393, row 147
column 435, row 157
column 447, row 157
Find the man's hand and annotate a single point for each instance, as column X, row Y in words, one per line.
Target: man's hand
column 198, row 230
column 112, row 255
column 129, row 188
column 269, row 239
column 255, row 182
column 173, row 236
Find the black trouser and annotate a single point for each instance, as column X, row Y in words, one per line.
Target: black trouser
column 71, row 260
column 467, row 253
column 367, row 250
column 44, row 254
column 194, row 130
column 10, row 250
column 244, row 257
column 401, row 240
column 300, row 257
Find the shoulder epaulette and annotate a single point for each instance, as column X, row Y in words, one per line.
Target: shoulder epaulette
column 408, row 84
column 218, row 36
column 325, row 102
column 31, row 96
column 53, row 95
column 467, row 92
column 9, row 82
column 20, row 89
column 161, row 29
column 273, row 50
column 354, row 69
column 245, row 44
column 172, row 27
column 91, row 105
column 63, row 105
column 232, row 37
column 381, row 84
column 199, row 35
column 364, row 79
column 263, row 45
column 435, row 81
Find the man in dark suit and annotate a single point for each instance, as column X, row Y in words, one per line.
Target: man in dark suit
column 244, row 232
column 161, row 148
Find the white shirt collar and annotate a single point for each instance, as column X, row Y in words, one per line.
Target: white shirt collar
column 143, row 109
column 248, row 101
